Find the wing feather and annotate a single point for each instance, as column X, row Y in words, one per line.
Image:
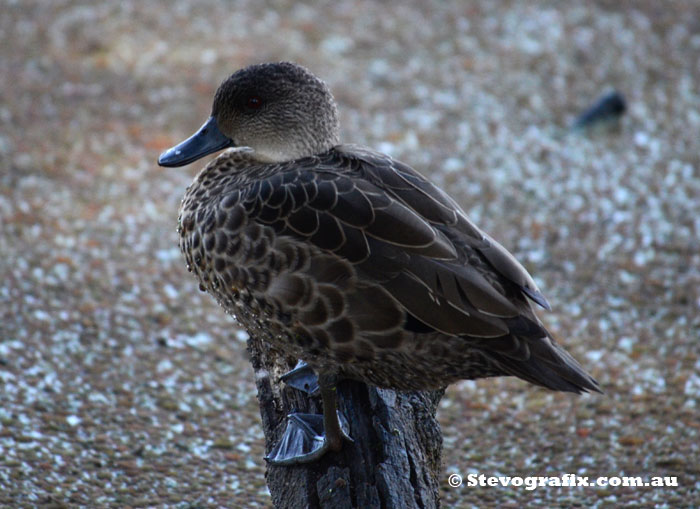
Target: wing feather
column 406, row 234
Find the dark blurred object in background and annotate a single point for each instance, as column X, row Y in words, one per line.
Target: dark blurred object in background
column 609, row 107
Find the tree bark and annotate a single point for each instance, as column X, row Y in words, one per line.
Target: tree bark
column 394, row 461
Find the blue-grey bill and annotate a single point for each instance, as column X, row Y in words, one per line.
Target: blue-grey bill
column 206, row 140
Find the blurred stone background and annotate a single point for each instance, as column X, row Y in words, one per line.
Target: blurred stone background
column 121, row 385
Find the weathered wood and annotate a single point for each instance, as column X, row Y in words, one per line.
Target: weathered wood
column 394, row 461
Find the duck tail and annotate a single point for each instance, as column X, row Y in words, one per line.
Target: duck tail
column 543, row 362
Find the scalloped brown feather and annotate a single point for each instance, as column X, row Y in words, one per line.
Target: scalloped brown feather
column 368, row 270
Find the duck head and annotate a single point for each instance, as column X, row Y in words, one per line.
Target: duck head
column 279, row 110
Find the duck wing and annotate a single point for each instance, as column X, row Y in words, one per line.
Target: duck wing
column 485, row 282
column 416, row 192
column 405, row 235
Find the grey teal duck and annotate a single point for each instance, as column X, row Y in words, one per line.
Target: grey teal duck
column 360, row 266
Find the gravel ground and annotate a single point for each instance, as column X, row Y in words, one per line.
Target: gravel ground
column 122, row 385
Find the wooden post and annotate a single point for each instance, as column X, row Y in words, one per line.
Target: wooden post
column 394, row 461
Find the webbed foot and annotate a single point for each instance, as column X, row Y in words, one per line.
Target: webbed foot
column 307, row 437
column 303, row 378
column 304, row 441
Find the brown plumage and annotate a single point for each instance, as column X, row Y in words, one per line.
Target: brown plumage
column 364, row 268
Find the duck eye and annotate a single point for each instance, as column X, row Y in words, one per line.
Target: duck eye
column 254, row 102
